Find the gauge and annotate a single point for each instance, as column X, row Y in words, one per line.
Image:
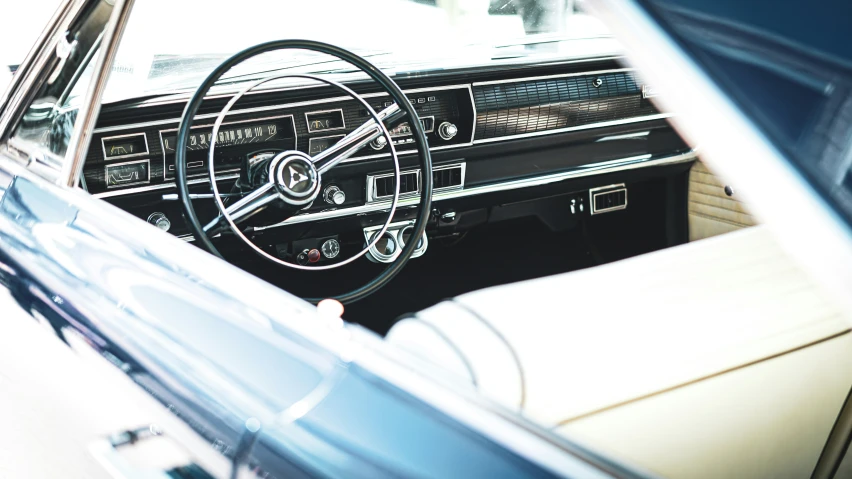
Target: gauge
column 318, row 145
column 227, row 136
column 330, row 248
column 325, row 120
column 405, row 235
column 130, row 173
column 127, row 145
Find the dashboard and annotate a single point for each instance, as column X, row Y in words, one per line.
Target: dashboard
column 535, row 130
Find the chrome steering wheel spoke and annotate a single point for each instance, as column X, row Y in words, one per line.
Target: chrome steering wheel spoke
column 357, row 139
column 245, row 208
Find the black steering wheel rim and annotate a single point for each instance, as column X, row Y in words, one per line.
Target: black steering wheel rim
column 192, row 107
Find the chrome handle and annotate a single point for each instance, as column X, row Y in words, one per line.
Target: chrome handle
column 154, row 454
column 197, row 196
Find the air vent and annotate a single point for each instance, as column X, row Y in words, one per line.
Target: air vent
column 409, row 182
column 608, row 198
column 449, row 177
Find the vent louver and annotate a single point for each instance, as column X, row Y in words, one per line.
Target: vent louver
column 408, row 183
column 608, row 198
column 446, row 177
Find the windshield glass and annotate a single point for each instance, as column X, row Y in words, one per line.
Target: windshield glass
column 171, row 46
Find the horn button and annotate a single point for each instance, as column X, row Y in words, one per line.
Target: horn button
column 295, row 178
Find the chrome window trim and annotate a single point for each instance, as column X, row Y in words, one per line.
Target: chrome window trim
column 319, row 112
column 89, row 111
column 195, row 127
column 132, row 155
column 113, row 165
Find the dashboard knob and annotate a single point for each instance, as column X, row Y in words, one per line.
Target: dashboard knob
column 447, row 130
column 302, row 258
column 314, row 255
column 379, row 143
column 333, row 195
column 160, row 221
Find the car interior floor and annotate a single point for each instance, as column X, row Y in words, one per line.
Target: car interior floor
column 488, row 255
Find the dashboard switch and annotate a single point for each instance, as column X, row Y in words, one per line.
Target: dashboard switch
column 160, row 220
column 302, row 258
column 333, row 195
column 447, row 130
column 379, row 143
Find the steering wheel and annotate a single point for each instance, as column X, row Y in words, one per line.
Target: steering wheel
column 283, row 184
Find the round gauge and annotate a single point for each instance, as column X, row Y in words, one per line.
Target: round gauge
column 330, row 248
column 386, row 246
column 406, row 234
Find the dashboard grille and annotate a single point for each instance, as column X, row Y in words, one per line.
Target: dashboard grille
column 532, row 106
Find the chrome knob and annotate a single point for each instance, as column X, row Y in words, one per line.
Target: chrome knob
column 447, row 130
column 333, row 195
column 160, row 221
column 379, row 143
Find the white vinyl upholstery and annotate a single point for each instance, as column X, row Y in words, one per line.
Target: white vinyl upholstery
column 573, row 351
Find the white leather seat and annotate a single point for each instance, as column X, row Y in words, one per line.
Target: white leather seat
column 727, row 333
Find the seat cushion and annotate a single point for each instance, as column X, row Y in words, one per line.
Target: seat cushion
column 566, row 346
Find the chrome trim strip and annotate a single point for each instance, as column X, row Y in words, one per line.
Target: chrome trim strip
column 445, row 147
column 605, row 190
column 113, row 165
column 602, row 124
column 132, row 155
column 161, row 186
column 308, row 122
column 623, row 164
column 547, row 77
column 626, row 136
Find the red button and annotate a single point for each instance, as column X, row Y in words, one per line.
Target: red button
column 313, row 255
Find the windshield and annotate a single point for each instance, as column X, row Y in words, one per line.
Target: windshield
column 170, row 46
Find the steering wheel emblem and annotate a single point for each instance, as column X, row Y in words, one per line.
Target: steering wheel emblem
column 294, row 176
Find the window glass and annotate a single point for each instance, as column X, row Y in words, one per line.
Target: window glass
column 51, row 116
column 788, row 64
